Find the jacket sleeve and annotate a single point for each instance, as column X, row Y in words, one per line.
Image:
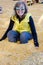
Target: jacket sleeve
column 33, row 30
column 9, row 28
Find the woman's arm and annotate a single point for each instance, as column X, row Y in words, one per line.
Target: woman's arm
column 32, row 26
column 9, row 28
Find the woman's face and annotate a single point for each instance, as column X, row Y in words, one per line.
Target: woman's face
column 20, row 10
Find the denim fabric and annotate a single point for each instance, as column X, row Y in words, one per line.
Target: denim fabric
column 14, row 36
column 25, row 37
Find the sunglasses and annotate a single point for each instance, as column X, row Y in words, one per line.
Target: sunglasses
column 18, row 8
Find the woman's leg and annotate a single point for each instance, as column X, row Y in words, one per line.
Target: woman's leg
column 13, row 36
column 25, row 36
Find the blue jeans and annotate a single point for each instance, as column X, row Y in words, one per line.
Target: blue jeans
column 14, row 36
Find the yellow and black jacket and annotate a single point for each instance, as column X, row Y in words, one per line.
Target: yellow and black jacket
column 20, row 25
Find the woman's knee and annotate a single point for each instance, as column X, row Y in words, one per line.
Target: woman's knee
column 12, row 36
column 25, row 36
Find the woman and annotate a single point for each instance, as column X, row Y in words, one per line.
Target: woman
column 21, row 26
